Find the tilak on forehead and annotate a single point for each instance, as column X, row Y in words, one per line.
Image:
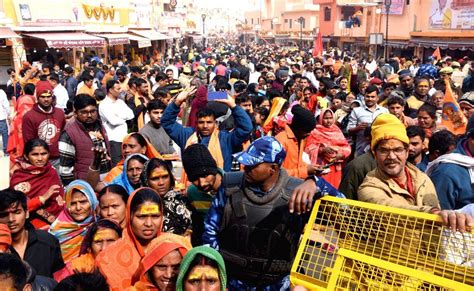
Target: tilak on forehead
column 158, row 173
column 206, row 271
column 103, row 233
column 149, row 210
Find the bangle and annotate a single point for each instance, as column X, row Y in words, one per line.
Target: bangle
column 93, row 170
column 42, row 199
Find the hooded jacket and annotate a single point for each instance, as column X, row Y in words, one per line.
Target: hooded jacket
column 44, row 125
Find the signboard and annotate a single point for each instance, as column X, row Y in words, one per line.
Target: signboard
column 376, row 38
column 452, row 14
column 396, row 8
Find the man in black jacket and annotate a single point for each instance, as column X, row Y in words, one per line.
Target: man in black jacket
column 37, row 247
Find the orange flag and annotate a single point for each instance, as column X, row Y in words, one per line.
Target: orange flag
column 453, row 118
column 437, row 54
column 318, row 45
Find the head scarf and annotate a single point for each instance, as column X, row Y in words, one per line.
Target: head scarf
column 5, row 235
column 325, row 136
column 207, row 252
column 69, row 232
column 158, row 248
column 120, row 261
column 122, row 179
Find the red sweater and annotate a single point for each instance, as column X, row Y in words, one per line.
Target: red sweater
column 46, row 126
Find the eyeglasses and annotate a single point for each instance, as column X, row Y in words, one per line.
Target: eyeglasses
column 385, row 152
column 87, row 112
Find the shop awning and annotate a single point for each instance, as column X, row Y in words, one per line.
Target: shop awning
column 142, row 42
column 150, row 34
column 116, row 38
column 69, row 39
column 6, row 32
column 455, row 44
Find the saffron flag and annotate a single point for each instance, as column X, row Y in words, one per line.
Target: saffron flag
column 318, row 45
column 437, row 54
column 453, row 118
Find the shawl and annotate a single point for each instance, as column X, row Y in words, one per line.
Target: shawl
column 119, row 262
column 198, row 103
column 141, row 116
column 214, row 147
column 158, row 248
column 326, row 136
column 34, row 182
column 122, row 179
column 69, row 232
column 207, row 252
column 15, row 140
column 151, row 152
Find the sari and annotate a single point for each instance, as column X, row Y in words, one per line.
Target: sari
column 121, row 260
column 158, row 248
column 332, row 137
column 151, row 152
column 35, row 182
column 16, row 144
column 122, row 179
column 68, row 231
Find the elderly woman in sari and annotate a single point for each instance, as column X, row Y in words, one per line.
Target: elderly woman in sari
column 36, row 177
column 77, row 216
column 99, row 236
column 144, row 218
column 328, row 148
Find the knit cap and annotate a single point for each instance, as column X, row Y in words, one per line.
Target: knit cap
column 388, row 126
column 44, row 88
column 303, row 119
column 198, row 162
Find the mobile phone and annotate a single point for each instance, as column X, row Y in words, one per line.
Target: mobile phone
column 216, row 95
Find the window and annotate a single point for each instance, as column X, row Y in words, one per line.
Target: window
column 291, row 23
column 286, row 20
column 327, row 13
column 251, row 20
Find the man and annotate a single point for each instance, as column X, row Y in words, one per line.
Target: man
column 138, row 103
column 221, row 143
column 13, row 273
column 13, row 85
column 406, row 83
column 396, row 106
column 451, row 173
column 37, row 247
column 4, row 119
column 59, row 91
column 114, row 114
column 87, row 85
column 185, row 77
column 123, row 80
column 154, row 132
column 70, row 82
column 206, row 178
column 293, row 140
column 416, row 148
column 362, row 116
column 45, row 121
column 172, row 85
column 77, row 140
column 441, row 142
column 419, row 97
column 256, row 200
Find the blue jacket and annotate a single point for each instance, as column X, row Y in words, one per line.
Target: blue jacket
column 228, row 140
column 453, row 183
column 212, row 223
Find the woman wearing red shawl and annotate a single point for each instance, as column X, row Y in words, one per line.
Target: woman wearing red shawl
column 120, row 261
column 159, row 268
column 22, row 105
column 36, row 177
column 199, row 102
column 133, row 143
column 328, row 148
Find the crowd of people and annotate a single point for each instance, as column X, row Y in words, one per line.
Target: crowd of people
column 97, row 200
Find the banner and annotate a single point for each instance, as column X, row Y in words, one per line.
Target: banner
column 396, row 8
column 452, row 14
column 453, row 118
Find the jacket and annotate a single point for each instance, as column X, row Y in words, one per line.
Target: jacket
column 293, row 162
column 380, row 189
column 228, row 140
column 354, row 174
column 453, row 182
column 46, row 126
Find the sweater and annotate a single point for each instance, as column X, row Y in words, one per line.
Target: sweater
column 44, row 125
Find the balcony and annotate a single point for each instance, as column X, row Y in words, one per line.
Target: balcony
column 341, row 30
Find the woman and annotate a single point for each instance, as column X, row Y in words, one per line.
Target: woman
column 112, row 204
column 427, row 120
column 130, row 179
column 144, row 218
column 202, row 268
column 77, row 216
column 176, row 216
column 24, row 104
column 133, row 143
column 328, row 148
column 99, row 236
column 37, row 178
column 160, row 266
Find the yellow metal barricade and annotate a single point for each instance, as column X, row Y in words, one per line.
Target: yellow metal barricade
column 354, row 245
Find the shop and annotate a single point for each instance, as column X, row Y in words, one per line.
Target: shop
column 8, row 45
